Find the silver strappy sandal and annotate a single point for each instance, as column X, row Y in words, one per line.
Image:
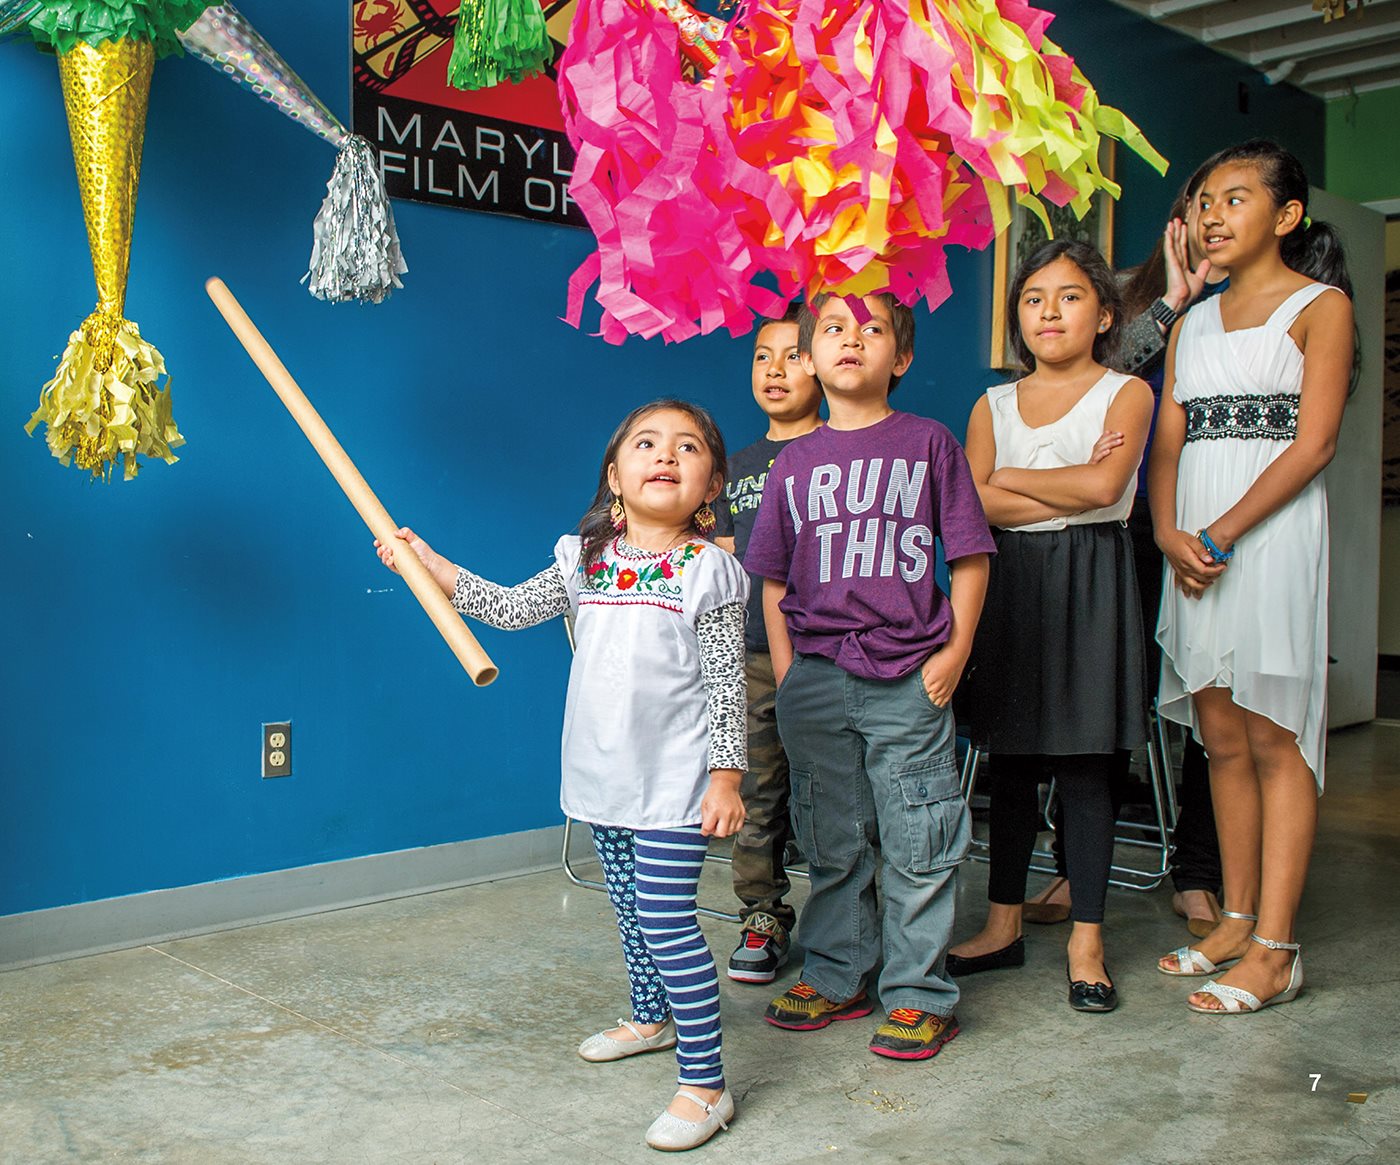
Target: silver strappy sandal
column 1190, row 961
column 1237, row 1001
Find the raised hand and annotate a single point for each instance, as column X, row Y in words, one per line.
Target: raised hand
column 1184, row 285
column 444, row 573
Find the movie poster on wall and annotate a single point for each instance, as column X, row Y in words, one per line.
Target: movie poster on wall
column 501, row 150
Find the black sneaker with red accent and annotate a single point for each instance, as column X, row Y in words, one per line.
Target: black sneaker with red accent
column 763, row 948
column 909, row 1034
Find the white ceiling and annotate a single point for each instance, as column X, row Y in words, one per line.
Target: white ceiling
column 1289, row 39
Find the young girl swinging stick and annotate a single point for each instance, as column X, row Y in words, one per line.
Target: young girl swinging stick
column 654, row 725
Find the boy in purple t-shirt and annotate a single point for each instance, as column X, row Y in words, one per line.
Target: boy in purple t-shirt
column 867, row 650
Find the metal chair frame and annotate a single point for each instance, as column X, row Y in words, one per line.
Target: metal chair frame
column 589, row 884
column 1163, row 787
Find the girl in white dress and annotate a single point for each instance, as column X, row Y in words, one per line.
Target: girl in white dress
column 1256, row 382
column 655, row 734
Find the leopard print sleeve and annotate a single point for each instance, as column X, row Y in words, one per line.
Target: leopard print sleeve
column 721, row 635
column 511, row 608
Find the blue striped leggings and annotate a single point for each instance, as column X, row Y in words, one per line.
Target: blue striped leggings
column 652, row 875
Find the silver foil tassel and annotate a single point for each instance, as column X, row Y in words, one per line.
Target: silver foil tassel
column 356, row 253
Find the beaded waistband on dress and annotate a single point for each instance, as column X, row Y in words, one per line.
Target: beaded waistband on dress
column 1273, row 417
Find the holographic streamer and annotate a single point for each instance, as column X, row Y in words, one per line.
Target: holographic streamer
column 223, row 39
column 14, row 13
column 355, row 252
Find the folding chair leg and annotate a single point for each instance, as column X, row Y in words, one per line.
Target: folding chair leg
column 1164, row 812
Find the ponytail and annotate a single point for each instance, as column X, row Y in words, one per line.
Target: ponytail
column 1315, row 249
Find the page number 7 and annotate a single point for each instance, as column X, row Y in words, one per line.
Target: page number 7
column 1315, row 1077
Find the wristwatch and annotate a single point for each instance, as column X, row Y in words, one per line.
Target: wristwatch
column 1164, row 315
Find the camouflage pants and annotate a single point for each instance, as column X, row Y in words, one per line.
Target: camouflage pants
column 760, row 882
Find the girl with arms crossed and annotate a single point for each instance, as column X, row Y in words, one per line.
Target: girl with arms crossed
column 1056, row 686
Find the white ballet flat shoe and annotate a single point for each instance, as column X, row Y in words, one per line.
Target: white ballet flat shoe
column 673, row 1134
column 1237, row 1001
column 601, row 1048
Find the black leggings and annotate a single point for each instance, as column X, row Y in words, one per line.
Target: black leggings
column 1086, row 823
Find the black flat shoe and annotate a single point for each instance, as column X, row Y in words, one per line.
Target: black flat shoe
column 1012, row 955
column 1086, row 996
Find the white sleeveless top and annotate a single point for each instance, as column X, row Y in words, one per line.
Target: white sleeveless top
column 1065, row 442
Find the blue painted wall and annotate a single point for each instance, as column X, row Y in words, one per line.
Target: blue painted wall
column 150, row 627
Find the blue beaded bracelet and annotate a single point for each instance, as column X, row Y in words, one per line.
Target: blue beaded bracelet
column 1220, row 556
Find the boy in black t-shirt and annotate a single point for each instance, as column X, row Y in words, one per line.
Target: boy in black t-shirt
column 792, row 399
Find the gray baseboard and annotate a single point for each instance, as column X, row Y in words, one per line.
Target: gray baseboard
column 89, row 928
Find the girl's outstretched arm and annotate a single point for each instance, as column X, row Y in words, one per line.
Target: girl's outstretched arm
column 509, row 608
column 1101, row 482
column 1191, row 564
column 1003, row 507
column 1324, row 331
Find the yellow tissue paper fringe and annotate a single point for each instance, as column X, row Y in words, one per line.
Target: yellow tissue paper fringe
column 1034, row 128
column 105, row 402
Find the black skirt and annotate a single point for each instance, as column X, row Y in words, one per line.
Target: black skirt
column 1057, row 667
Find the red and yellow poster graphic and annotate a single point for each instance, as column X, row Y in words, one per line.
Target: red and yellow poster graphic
column 500, row 150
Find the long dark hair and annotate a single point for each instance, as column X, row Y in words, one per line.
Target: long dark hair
column 1149, row 281
column 1101, row 279
column 1311, row 248
column 595, row 527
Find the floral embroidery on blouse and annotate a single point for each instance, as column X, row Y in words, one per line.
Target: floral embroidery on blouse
column 629, row 575
column 719, row 632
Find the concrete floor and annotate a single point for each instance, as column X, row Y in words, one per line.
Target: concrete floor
column 441, row 1029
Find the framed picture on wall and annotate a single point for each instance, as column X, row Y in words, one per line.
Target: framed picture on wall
column 1026, row 233
column 501, row 150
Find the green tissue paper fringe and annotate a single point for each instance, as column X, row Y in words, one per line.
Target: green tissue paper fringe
column 60, row 24
column 498, row 40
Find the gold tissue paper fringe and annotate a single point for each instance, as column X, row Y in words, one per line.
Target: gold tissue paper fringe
column 105, row 402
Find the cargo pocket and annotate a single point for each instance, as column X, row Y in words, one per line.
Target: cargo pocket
column 937, row 829
column 800, row 807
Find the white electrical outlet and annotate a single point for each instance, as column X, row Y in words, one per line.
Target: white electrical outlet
column 277, row 749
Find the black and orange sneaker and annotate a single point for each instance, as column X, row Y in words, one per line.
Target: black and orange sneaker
column 802, row 1008
column 913, row 1035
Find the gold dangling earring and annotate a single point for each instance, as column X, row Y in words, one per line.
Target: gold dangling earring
column 618, row 516
column 705, row 520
